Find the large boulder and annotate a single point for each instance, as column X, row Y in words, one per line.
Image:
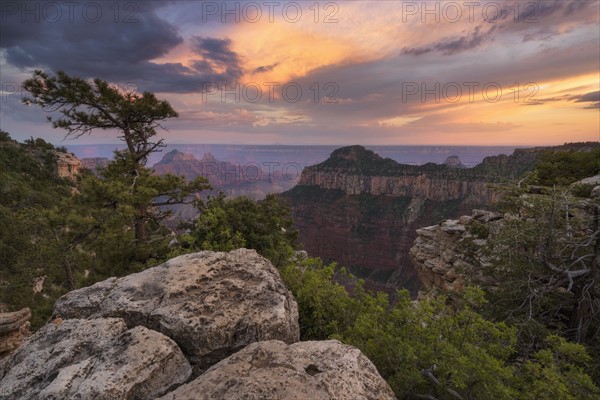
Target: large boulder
column 274, row 370
column 93, row 359
column 211, row 304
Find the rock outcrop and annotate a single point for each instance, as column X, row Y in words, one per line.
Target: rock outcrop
column 93, row 359
column 67, row 165
column 14, row 328
column 439, row 251
column 211, row 304
column 148, row 334
column 301, row 371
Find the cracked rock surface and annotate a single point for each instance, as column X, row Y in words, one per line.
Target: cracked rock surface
column 210, row 303
column 203, row 325
column 93, row 359
column 316, row 370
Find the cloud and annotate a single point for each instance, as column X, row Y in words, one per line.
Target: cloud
column 216, row 50
column 122, row 51
column 454, row 45
column 35, row 39
column 589, row 97
column 592, row 97
column 265, row 68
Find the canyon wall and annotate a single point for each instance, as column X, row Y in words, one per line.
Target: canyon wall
column 363, row 211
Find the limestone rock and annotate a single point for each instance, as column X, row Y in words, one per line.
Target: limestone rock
column 439, row 257
column 452, row 226
column 211, row 304
column 14, row 328
column 301, row 371
column 93, row 359
column 592, row 180
column 67, row 165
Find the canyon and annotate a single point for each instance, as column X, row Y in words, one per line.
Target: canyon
column 363, row 211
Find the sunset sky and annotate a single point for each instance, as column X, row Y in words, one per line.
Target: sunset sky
column 343, row 72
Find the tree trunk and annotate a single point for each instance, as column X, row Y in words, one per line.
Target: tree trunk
column 69, row 275
column 140, row 224
column 583, row 313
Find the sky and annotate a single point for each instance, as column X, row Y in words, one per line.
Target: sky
column 512, row 72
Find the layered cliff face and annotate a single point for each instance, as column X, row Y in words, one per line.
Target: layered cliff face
column 363, row 211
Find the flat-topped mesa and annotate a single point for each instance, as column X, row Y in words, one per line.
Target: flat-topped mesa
column 355, row 153
column 356, row 170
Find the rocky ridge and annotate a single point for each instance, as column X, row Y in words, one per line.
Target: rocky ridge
column 438, row 251
column 220, row 324
column 356, row 170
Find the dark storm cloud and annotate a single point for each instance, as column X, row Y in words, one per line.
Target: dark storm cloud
column 217, row 50
column 454, row 45
column 62, row 38
column 117, row 45
column 217, row 54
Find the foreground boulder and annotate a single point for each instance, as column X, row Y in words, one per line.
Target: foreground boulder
column 93, row 359
column 273, row 370
column 211, row 304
